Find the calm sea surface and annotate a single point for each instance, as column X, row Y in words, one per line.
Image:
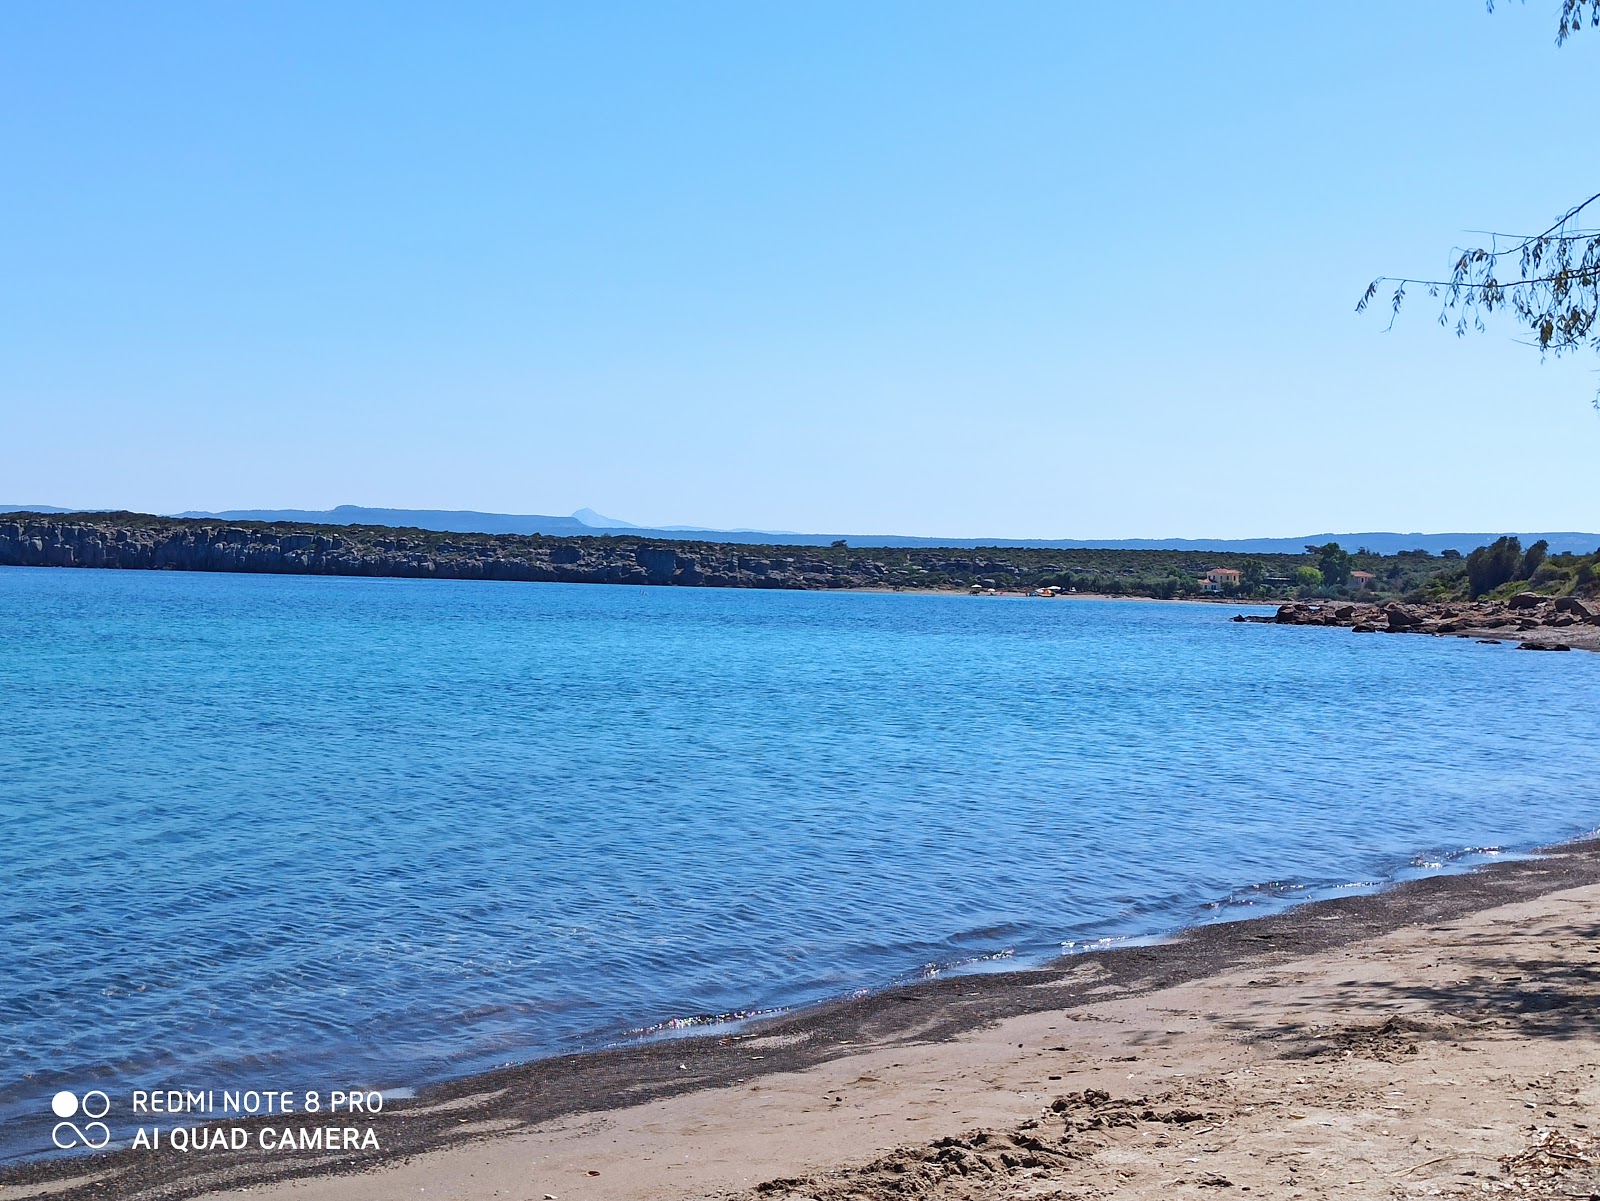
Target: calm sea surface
column 265, row 829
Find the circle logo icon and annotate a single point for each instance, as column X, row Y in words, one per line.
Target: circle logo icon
column 94, row 1135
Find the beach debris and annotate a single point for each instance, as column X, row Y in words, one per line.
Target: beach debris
column 1387, row 1041
column 1555, row 1165
column 1044, row 1147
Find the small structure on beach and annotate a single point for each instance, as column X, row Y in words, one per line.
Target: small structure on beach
column 1363, row 579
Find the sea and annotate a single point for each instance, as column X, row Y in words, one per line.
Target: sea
column 290, row 831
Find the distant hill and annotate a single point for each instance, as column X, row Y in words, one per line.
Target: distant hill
column 446, row 520
column 1379, row 542
column 466, row 521
column 586, row 522
column 601, row 522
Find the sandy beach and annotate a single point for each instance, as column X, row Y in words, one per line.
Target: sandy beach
column 1436, row 1039
column 501, row 699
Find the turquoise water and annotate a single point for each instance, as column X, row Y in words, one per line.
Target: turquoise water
column 264, row 828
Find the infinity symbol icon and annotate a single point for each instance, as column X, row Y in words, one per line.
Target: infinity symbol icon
column 81, row 1135
column 66, row 1105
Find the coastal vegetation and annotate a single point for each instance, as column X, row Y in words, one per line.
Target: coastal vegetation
column 142, row 541
column 1503, row 569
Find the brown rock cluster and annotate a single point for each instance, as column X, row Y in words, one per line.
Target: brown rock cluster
column 1527, row 615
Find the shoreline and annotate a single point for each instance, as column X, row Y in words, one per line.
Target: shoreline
column 1115, row 598
column 495, row 1109
column 954, row 591
column 1529, row 620
column 142, row 542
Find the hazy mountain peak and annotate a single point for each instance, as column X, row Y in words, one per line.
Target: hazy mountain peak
column 600, row 521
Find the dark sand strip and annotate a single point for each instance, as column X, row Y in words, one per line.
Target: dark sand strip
column 489, row 1109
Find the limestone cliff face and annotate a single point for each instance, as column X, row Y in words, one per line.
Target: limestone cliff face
column 140, row 541
column 157, row 544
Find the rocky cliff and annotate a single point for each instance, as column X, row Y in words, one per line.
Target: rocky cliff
column 133, row 541
column 144, row 542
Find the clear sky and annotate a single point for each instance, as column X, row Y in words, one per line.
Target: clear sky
column 1044, row 269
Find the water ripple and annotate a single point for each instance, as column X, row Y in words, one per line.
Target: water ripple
column 273, row 829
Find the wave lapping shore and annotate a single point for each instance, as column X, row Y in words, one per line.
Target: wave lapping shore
column 1535, row 622
column 1437, row 1039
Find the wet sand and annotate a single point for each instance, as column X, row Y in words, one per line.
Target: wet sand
column 1440, row 1038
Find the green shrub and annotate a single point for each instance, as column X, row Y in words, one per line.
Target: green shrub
column 1534, row 559
column 1490, row 566
column 1551, row 572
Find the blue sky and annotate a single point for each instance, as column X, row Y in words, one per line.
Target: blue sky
column 1022, row 269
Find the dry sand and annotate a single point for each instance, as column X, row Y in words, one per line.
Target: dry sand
column 1440, row 1039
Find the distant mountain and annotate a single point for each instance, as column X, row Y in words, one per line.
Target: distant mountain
column 467, row 521
column 586, row 522
column 450, row 520
column 601, row 522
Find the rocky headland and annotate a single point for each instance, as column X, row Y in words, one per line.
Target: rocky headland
column 139, row 542
column 143, row 542
column 1532, row 621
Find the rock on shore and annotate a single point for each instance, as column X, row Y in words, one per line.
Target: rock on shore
column 1534, row 621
